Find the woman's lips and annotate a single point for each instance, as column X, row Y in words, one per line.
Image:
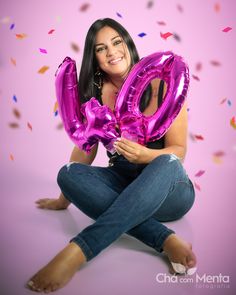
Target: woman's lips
column 115, row 61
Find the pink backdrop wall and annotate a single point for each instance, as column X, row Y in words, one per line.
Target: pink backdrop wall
column 40, row 152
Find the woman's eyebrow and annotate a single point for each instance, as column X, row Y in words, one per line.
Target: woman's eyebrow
column 111, row 40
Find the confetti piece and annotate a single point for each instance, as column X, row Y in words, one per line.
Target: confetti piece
column 195, row 77
column 180, row 8
column 217, row 7
column 16, row 113
column 29, row 126
column 200, row 173
column 13, row 61
column 233, row 123
column 217, row 160
column 198, row 66
column 75, row 47
column 55, row 107
column 227, row 29
column 161, row 23
column 60, row 126
column 11, row 157
column 20, row 36
column 56, row 113
column 51, row 31
column 43, row 69
column 142, row 34
column 192, row 136
column 84, row 7
column 177, row 37
column 223, row 100
column 5, row 20
column 165, row 35
column 229, row 103
column 219, row 154
column 13, row 125
column 119, row 15
column 199, row 137
column 150, row 4
column 197, row 186
column 42, row 50
column 12, row 26
column 14, row 98
column 215, row 63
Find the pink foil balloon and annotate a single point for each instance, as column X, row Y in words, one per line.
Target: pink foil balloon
column 165, row 66
column 84, row 124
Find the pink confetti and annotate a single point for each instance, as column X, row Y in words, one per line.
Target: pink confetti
column 215, row 63
column 165, row 35
column 217, row 7
column 84, row 7
column 11, row 157
column 42, row 50
column 195, row 77
column 29, row 126
column 199, row 137
column 200, row 173
column 161, row 23
column 198, row 66
column 180, row 8
column 219, row 154
column 51, row 31
column 197, row 186
column 223, row 100
column 227, row 29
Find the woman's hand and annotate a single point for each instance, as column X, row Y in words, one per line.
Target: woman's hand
column 132, row 151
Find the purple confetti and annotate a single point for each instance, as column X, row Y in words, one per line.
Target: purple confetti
column 229, row 103
column 12, row 26
column 14, row 98
column 119, row 15
column 55, row 113
column 42, row 50
column 142, row 35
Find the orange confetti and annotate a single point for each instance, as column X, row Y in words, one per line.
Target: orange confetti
column 75, row 47
column 13, row 61
column 20, row 36
column 43, row 69
column 233, row 123
column 16, row 113
column 29, row 126
column 217, row 160
column 13, row 125
column 55, row 107
column 11, row 157
column 195, row 77
column 60, row 126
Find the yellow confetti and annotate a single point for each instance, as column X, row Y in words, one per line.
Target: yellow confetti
column 233, row 123
column 13, row 61
column 217, row 160
column 55, row 107
column 21, row 36
column 43, row 69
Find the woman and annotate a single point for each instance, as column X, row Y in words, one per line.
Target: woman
column 142, row 186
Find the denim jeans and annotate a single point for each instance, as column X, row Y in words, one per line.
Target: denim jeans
column 127, row 198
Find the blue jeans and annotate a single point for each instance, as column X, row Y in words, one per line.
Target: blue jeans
column 127, row 198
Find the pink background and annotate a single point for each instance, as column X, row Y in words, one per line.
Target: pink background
column 29, row 236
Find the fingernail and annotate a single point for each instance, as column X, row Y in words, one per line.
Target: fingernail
column 118, row 138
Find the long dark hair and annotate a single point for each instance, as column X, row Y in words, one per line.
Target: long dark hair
column 87, row 77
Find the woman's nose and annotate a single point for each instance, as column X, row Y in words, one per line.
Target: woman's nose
column 110, row 51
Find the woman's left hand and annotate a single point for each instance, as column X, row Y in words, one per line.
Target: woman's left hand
column 132, row 151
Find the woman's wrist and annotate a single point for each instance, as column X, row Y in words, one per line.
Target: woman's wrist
column 63, row 201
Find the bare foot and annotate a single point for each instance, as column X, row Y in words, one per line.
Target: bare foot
column 59, row 271
column 52, row 204
column 179, row 251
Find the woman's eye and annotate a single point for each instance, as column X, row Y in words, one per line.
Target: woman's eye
column 99, row 49
column 117, row 42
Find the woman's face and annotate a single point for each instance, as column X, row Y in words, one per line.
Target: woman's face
column 112, row 53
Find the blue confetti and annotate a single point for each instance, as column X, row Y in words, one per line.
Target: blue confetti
column 55, row 113
column 188, row 109
column 14, row 98
column 118, row 14
column 142, row 35
column 12, row 26
column 229, row 103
